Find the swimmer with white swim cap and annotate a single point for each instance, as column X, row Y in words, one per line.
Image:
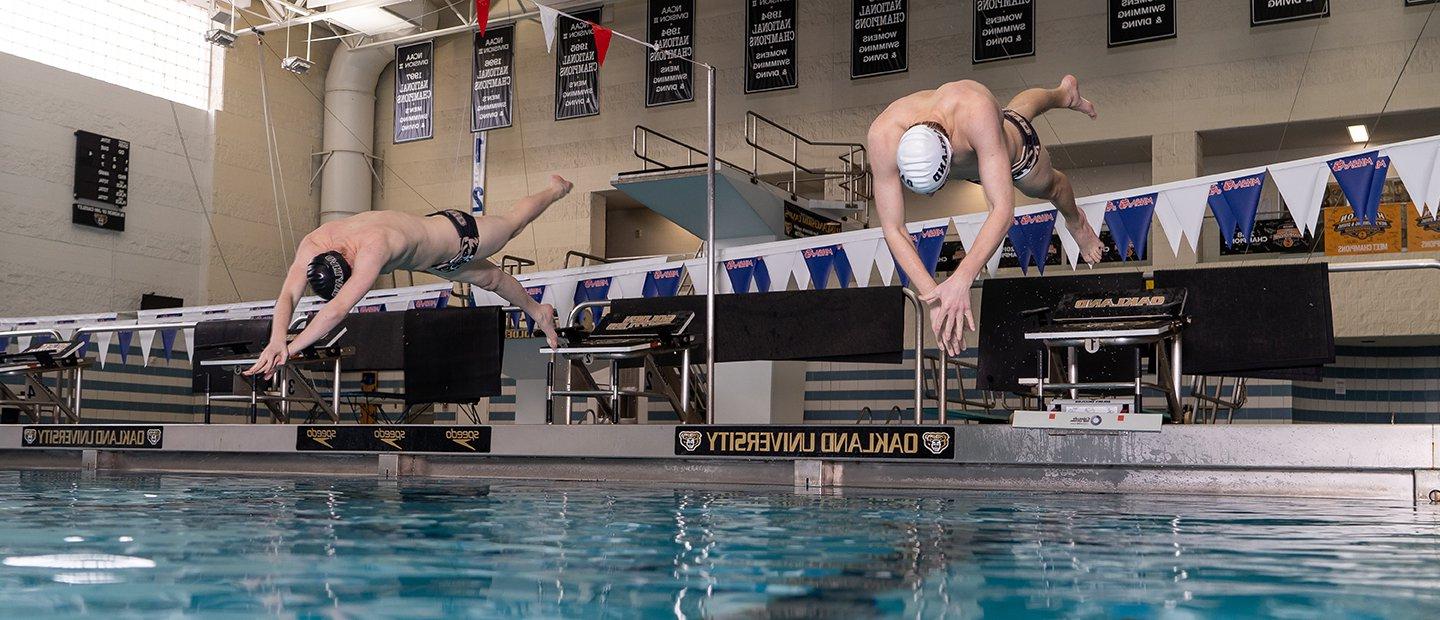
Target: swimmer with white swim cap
column 960, row 131
column 340, row 260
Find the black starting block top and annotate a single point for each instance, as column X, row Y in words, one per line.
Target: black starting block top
column 44, row 356
column 324, row 350
column 620, row 333
column 1114, row 315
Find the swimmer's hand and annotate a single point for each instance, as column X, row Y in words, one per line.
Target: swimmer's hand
column 544, row 316
column 950, row 312
column 274, row 356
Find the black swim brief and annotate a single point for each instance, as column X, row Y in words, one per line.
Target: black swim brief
column 469, row 239
column 1029, row 149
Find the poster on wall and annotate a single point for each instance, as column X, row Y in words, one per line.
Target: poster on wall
column 1422, row 234
column 491, row 86
column 878, row 43
column 577, row 70
column 1003, row 29
column 1263, row 12
column 1346, row 235
column 1138, row 21
column 802, row 222
column 102, row 181
column 1273, row 235
column 671, row 27
column 770, row 54
column 1419, row 2
column 414, row 92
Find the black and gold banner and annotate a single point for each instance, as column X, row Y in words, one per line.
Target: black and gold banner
column 672, row 27
column 1003, row 29
column 392, row 438
column 577, row 67
column 1138, row 21
column 492, row 84
column 111, row 436
column 1264, row 12
column 878, row 38
column 849, row 441
column 770, row 53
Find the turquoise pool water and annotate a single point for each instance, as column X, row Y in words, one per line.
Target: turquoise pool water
column 161, row 545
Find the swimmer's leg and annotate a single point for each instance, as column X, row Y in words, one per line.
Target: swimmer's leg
column 497, row 230
column 1033, row 102
column 1047, row 183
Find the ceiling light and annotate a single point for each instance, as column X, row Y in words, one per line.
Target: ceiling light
column 296, row 64
column 1358, row 133
column 220, row 37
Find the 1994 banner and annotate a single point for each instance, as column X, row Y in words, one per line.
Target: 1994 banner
column 672, row 27
column 770, row 35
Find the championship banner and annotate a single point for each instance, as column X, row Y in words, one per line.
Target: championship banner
column 1138, row 21
column 931, row 443
column 392, row 438
column 743, row 271
column 1129, row 222
column 1031, row 235
column 671, row 27
column 492, row 89
column 1274, row 235
column 105, row 436
column 878, row 38
column 1347, row 235
column 414, row 92
column 928, row 243
column 662, row 282
column 1234, row 202
column 770, row 55
column 477, row 177
column 1003, row 29
column 1264, row 12
column 1423, row 233
column 801, row 222
column 577, row 72
column 1356, row 176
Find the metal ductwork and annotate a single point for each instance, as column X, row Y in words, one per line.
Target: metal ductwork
column 345, row 183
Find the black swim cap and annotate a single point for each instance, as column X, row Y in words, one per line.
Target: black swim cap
column 327, row 273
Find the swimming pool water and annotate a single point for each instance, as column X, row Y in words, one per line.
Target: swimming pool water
column 160, row 545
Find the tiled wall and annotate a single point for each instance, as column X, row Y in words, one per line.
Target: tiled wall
column 1379, row 384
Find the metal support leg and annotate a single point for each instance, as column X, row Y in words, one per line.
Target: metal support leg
column 1073, row 367
column 79, row 377
column 1041, row 369
column 685, row 383
column 1176, row 376
column 1139, row 375
column 335, row 394
column 614, row 392
column 550, row 390
column 944, row 384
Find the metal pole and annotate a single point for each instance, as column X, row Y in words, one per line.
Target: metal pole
column 711, row 279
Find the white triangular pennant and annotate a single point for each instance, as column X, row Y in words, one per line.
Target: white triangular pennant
column 967, row 227
column 397, row 306
column 780, row 266
column 862, row 255
column 1094, row 216
column 1169, row 223
column 23, row 342
column 147, row 338
column 699, row 278
column 801, row 271
column 1302, row 187
column 1188, row 205
column 628, row 286
column 1419, row 169
column 188, row 336
column 562, row 294
column 102, row 342
column 547, row 23
column 884, row 263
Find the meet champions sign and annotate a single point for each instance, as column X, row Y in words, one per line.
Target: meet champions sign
column 850, row 442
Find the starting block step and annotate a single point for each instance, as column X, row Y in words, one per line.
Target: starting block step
column 1099, row 421
column 1091, row 405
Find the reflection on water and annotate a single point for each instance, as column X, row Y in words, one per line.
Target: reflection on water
column 160, row 544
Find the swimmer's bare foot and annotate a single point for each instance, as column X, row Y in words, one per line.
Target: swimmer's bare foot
column 1071, row 87
column 559, row 186
column 1085, row 237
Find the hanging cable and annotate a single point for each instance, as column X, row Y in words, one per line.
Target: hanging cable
column 200, row 198
column 272, row 154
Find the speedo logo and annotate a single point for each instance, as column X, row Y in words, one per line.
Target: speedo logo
column 390, row 437
column 1121, row 302
column 463, row 437
column 321, row 436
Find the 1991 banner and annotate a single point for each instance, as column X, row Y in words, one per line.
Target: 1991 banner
column 770, row 35
column 577, row 68
column 492, row 86
column 672, row 27
column 878, row 38
column 414, row 92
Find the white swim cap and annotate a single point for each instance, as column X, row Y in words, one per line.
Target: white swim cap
column 924, row 158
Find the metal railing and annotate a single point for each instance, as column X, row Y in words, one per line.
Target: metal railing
column 853, row 178
column 585, row 259
column 640, row 146
column 515, row 265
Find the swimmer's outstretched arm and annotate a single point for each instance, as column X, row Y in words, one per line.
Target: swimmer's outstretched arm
column 366, row 270
column 486, row 275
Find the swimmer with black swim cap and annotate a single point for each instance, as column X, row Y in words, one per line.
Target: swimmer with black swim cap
column 340, row 261
column 960, row 131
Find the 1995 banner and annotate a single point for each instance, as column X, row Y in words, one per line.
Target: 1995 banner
column 899, row 442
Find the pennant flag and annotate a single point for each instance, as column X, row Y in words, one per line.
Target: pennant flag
column 662, row 282
column 443, row 300
column 593, row 289
column 1302, row 187
column 1169, row 222
column 482, row 15
column 1377, row 185
column 1234, row 202
column 188, row 334
column 167, row 342
column 699, row 279
column 863, row 256
column 125, row 346
column 147, row 340
column 627, row 285
column 103, row 344
column 778, row 269
column 5, row 343
column 967, row 227
column 744, row 271
column 1356, row 174
column 602, row 42
column 1419, row 168
column 1030, row 234
column 1186, row 206
column 928, row 243
column 373, row 308
column 819, row 263
column 1129, row 222
column 23, row 342
column 547, row 24
column 1094, row 218
column 536, row 293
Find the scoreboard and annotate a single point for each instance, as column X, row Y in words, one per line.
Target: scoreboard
column 102, row 180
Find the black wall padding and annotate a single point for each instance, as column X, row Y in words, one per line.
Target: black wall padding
column 452, row 355
column 1005, row 355
column 1255, row 318
column 378, row 338
column 255, row 332
column 847, row 325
